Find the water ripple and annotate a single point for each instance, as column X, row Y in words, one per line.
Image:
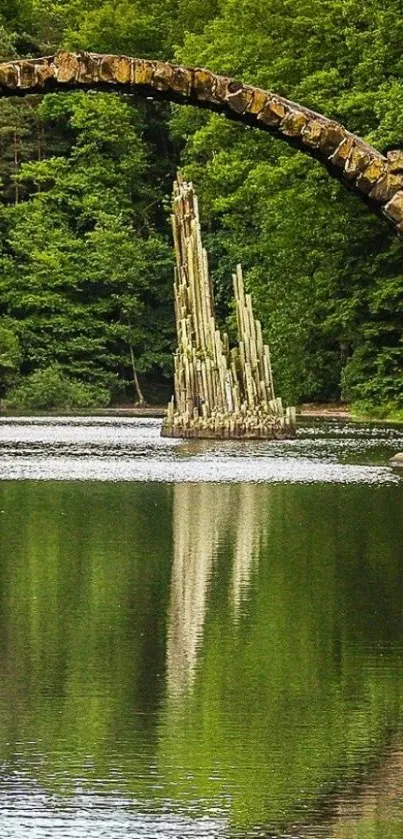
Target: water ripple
column 38, row 815
column 125, row 449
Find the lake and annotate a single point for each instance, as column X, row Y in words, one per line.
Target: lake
column 200, row 639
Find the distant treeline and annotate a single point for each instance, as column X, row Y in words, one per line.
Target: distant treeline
column 85, row 247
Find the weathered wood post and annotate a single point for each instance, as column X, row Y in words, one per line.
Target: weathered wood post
column 219, row 392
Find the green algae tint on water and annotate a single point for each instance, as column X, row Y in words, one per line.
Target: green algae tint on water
column 201, row 658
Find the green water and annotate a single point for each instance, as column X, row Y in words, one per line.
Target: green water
column 201, row 659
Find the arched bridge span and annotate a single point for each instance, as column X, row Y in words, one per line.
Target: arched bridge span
column 364, row 170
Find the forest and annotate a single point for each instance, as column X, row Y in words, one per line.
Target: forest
column 86, row 253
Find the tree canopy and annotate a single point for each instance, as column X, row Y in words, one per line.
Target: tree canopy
column 86, row 254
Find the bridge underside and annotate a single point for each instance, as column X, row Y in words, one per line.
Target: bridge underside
column 362, row 169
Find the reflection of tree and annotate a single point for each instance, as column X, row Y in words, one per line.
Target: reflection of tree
column 291, row 700
column 294, row 699
column 205, row 518
column 82, row 612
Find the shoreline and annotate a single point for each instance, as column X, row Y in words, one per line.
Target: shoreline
column 308, row 411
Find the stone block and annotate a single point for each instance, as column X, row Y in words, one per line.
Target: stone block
column 273, row 112
column 240, row 98
column 386, row 188
column 393, row 210
column 182, row 80
column 9, row 76
column 27, row 76
column 371, row 174
column 333, row 135
column 115, row 69
column 67, row 67
column 293, row 124
column 258, row 101
column 356, row 162
column 342, row 153
column 88, row 68
column 122, row 69
column 162, row 76
column 44, row 72
column 312, row 133
column 221, row 89
column 143, row 71
column 395, row 160
column 203, row 85
column 106, row 68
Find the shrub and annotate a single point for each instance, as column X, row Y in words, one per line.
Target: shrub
column 9, row 358
column 375, row 378
column 50, row 389
column 387, row 411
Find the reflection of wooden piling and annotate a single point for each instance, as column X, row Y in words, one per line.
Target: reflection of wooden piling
column 201, row 515
column 219, row 392
column 250, row 528
column 203, row 521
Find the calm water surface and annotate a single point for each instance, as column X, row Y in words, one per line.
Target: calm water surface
column 200, row 640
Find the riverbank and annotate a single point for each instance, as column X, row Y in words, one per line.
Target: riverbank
column 308, row 410
column 150, row 412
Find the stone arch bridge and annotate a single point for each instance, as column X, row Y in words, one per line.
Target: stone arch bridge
column 360, row 167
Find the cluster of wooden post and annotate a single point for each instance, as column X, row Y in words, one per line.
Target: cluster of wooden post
column 220, row 392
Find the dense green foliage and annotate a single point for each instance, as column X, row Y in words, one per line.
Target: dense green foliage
column 48, row 389
column 86, row 256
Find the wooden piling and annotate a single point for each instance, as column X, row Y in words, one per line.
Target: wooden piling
column 220, row 392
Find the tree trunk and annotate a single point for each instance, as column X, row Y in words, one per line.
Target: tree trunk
column 139, row 393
